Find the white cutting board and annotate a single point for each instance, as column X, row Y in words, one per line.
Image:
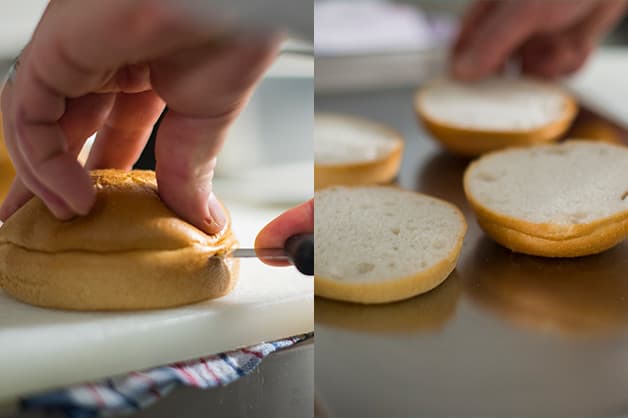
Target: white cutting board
column 42, row 348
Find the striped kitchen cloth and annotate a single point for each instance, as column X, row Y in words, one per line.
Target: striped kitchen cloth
column 132, row 392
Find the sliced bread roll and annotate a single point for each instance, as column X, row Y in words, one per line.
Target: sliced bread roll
column 564, row 200
column 472, row 119
column 130, row 252
column 382, row 244
column 354, row 151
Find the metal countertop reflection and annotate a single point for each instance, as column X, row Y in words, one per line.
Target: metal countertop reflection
column 507, row 335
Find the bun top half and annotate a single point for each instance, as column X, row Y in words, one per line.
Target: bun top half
column 128, row 216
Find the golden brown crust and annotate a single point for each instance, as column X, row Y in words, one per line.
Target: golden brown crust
column 547, row 239
column 374, row 172
column 386, row 291
column 397, row 289
column 130, row 252
column 128, row 215
column 473, row 142
column 380, row 171
column 601, row 239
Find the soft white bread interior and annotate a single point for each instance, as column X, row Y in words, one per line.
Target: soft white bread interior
column 129, row 252
column 352, row 151
column 474, row 118
column 383, row 244
column 562, row 200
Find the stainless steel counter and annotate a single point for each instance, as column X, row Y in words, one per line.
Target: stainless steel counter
column 506, row 335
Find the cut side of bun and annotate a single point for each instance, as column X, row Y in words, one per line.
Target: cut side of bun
column 130, row 252
column 383, row 244
column 472, row 119
column 563, row 200
column 354, row 151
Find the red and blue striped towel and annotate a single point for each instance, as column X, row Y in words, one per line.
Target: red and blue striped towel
column 137, row 390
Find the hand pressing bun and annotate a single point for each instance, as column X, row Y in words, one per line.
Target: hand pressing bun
column 131, row 252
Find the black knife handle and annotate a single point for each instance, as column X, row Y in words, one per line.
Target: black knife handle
column 300, row 250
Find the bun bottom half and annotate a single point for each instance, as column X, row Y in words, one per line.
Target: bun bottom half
column 129, row 280
column 387, row 291
column 472, row 143
column 600, row 239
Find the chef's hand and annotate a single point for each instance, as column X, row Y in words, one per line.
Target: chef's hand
column 111, row 66
column 298, row 220
column 552, row 38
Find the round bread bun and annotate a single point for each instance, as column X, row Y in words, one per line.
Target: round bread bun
column 354, row 151
column 561, row 200
column 131, row 252
column 472, row 119
column 383, row 244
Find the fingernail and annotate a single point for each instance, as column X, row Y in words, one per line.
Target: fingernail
column 464, row 66
column 217, row 215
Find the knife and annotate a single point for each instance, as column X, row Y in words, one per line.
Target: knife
column 298, row 251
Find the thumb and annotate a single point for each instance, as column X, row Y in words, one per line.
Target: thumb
column 298, row 220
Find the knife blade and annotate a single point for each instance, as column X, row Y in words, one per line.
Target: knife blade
column 298, row 251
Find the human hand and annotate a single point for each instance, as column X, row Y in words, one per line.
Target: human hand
column 298, row 220
column 112, row 67
column 551, row 38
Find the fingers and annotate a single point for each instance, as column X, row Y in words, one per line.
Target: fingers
column 471, row 22
column 82, row 118
column 74, row 51
column 134, row 78
column 24, row 170
column 600, row 21
column 225, row 73
column 563, row 53
column 124, row 133
column 204, row 92
column 553, row 56
column 298, row 220
column 502, row 32
column 113, row 34
column 186, row 152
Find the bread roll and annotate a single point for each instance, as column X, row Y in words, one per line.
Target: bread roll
column 565, row 200
column 131, row 252
column 353, row 151
column 472, row 119
column 383, row 244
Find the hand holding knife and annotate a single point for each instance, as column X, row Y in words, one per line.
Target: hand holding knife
column 298, row 251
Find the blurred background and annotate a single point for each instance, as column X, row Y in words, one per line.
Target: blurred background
column 395, row 43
